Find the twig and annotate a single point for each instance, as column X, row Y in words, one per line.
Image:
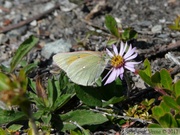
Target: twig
column 121, row 117
column 15, row 26
column 161, row 50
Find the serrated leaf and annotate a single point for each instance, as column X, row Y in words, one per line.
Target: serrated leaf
column 168, row 121
column 111, row 24
column 171, row 102
column 177, row 88
column 23, row 49
column 89, row 95
column 82, row 117
column 166, row 79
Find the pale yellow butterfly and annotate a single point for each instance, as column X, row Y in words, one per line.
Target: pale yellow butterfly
column 83, row 67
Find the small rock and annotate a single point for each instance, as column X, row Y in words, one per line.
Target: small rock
column 66, row 5
column 8, row 4
column 55, row 47
column 156, row 29
column 3, row 38
column 163, row 35
column 33, row 23
column 145, row 23
column 175, row 35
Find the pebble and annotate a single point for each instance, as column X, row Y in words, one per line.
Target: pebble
column 163, row 35
column 33, row 23
column 3, row 39
column 57, row 46
column 8, row 4
column 156, row 29
column 145, row 23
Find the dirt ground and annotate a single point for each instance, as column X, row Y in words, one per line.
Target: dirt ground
column 52, row 20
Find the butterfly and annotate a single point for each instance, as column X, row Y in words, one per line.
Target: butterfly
column 82, row 67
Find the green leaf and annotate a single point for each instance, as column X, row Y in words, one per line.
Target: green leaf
column 10, row 116
column 89, row 95
column 15, row 127
column 178, row 100
column 62, row 100
column 23, row 49
column 111, row 24
column 165, row 107
column 3, row 132
column 171, row 102
column 145, row 77
column 166, row 79
column 52, row 92
column 157, row 111
column 154, row 126
column 168, row 121
column 177, row 88
column 176, row 25
column 147, row 67
column 4, row 68
column 128, row 34
column 113, row 100
column 177, row 118
column 112, row 41
column 30, row 67
column 156, row 78
column 4, row 82
column 82, row 117
column 46, row 118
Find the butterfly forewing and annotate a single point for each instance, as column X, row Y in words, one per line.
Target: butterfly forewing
column 83, row 68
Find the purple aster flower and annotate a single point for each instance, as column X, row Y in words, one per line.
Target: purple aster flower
column 120, row 61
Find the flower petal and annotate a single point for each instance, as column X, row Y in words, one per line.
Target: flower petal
column 107, row 74
column 121, row 76
column 131, row 57
column 124, row 49
column 130, row 68
column 109, row 53
column 131, row 63
column 121, row 49
column 129, row 52
column 115, row 49
column 111, row 77
column 121, row 70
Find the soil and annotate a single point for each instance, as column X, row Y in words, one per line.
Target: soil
column 51, row 20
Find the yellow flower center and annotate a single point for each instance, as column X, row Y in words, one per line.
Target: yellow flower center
column 117, row 61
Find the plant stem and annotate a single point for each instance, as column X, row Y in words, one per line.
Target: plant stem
column 128, row 83
column 34, row 128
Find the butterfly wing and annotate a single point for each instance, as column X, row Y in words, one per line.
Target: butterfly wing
column 83, row 68
column 64, row 60
column 87, row 70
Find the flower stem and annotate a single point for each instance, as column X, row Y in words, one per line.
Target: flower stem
column 128, row 83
